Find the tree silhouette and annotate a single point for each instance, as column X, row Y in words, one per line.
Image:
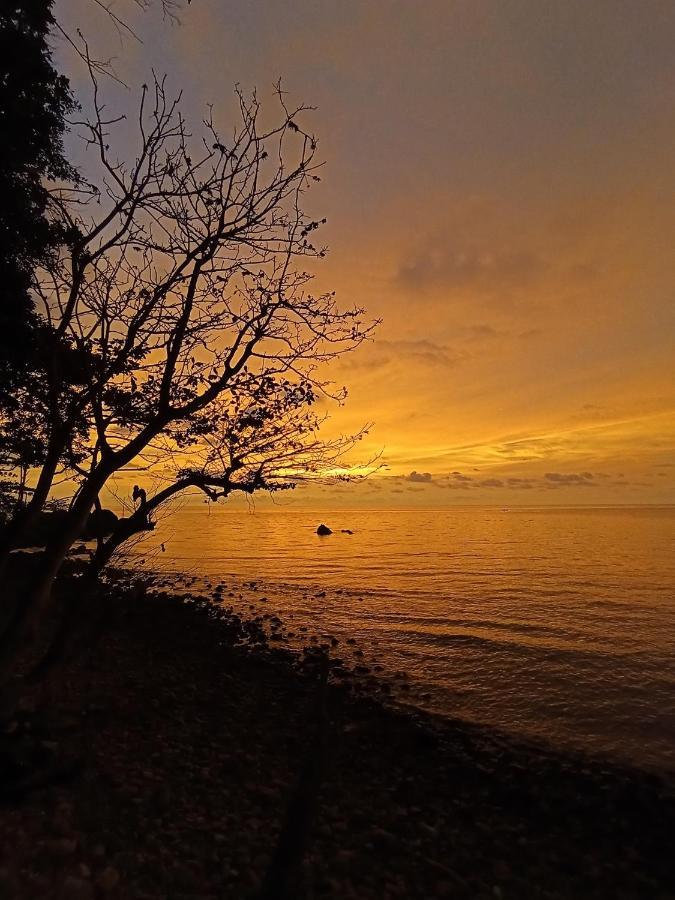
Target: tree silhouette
column 180, row 296
column 34, row 101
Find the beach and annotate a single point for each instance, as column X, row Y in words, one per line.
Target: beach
column 200, row 759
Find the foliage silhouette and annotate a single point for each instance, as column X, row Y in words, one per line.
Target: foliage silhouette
column 34, row 101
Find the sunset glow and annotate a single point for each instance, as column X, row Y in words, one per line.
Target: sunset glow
column 337, row 449
column 498, row 189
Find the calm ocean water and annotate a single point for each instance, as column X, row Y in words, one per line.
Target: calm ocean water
column 557, row 624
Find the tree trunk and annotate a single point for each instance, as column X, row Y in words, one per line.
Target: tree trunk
column 25, row 518
column 77, row 605
column 30, row 609
column 78, row 608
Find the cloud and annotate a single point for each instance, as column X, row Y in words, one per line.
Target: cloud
column 527, row 449
column 482, row 333
column 457, row 481
column 423, row 351
column 521, row 483
column 382, row 353
column 488, row 481
column 583, row 478
column 452, row 268
column 420, row 477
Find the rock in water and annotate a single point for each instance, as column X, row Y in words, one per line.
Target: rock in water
column 323, row 529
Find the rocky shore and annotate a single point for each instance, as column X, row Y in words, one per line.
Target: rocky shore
column 192, row 756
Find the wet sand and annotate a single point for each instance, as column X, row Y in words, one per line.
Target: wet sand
column 189, row 737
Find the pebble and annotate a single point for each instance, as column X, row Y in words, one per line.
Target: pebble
column 63, row 846
column 108, row 879
column 222, row 848
column 77, row 889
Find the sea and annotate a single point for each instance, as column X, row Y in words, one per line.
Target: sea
column 551, row 624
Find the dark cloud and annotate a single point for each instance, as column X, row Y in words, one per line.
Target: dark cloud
column 583, row 478
column 457, row 481
column 420, row 477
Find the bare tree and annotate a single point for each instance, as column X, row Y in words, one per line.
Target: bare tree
column 119, row 19
column 181, row 293
column 268, row 440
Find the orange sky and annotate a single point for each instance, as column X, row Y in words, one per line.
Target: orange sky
column 499, row 189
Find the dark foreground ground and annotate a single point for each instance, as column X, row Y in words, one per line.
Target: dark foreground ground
column 181, row 755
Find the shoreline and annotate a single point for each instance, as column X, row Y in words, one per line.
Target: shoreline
column 192, row 746
column 364, row 664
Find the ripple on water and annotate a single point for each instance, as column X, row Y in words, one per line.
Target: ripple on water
column 556, row 623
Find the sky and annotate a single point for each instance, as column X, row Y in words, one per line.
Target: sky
column 499, row 188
